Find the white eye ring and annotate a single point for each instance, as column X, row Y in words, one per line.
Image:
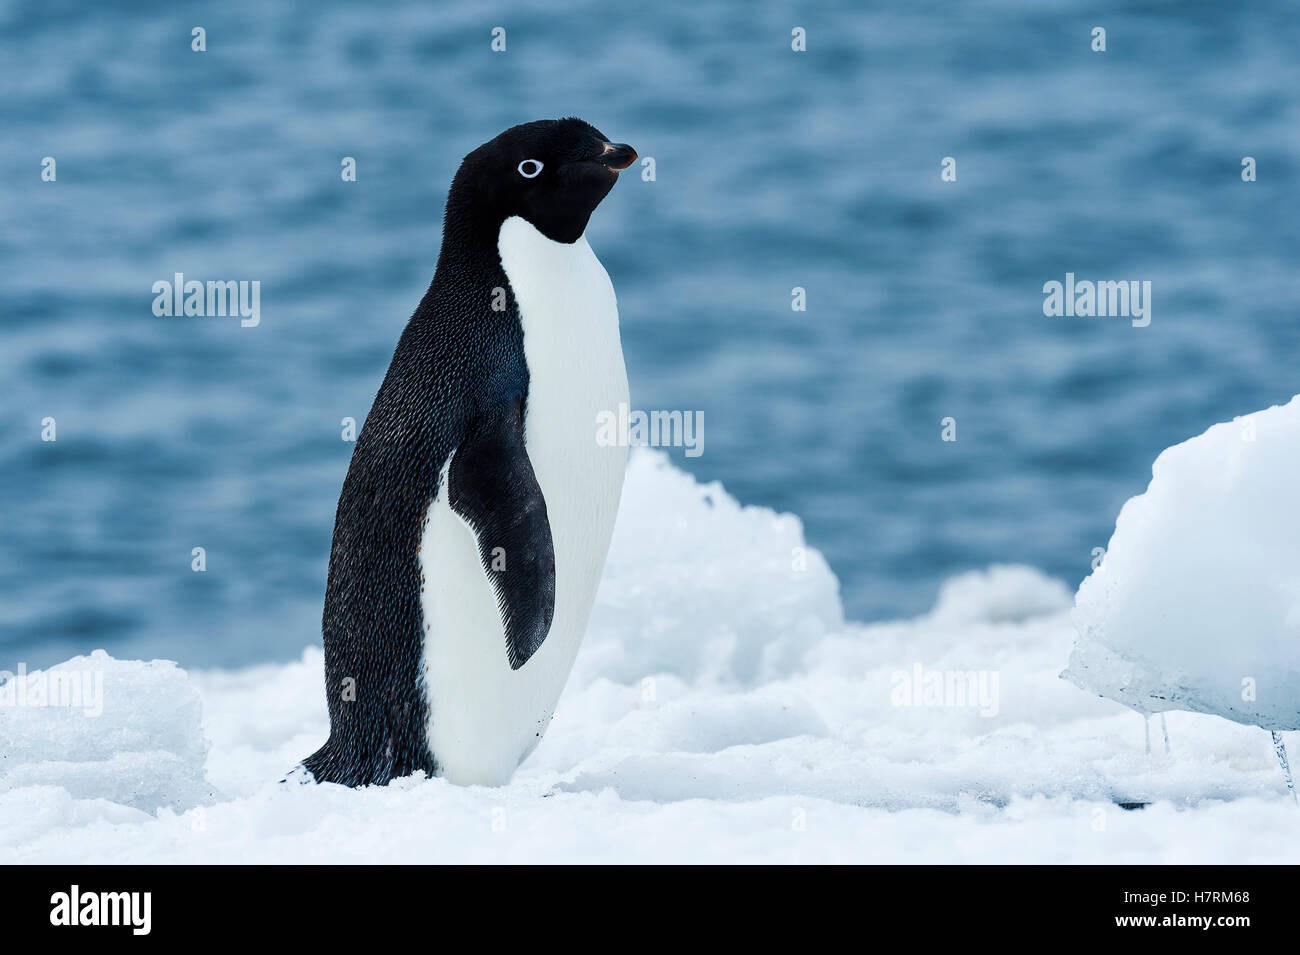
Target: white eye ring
column 530, row 164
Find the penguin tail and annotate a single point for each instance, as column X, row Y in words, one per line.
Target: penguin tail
column 334, row 764
column 322, row 766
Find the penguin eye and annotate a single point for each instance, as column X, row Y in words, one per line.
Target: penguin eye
column 530, row 168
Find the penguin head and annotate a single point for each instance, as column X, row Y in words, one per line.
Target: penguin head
column 552, row 172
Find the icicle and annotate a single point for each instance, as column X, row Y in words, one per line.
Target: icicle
column 1146, row 726
column 1164, row 728
column 1280, row 748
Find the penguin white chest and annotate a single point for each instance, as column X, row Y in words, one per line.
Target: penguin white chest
column 485, row 718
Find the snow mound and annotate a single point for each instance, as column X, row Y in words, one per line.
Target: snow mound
column 1001, row 594
column 702, row 588
column 123, row 731
column 1196, row 604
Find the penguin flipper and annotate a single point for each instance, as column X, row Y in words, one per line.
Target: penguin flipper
column 491, row 485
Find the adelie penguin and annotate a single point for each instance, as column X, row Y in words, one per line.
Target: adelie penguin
column 476, row 515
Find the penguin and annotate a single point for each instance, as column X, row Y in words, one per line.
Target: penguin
column 476, row 515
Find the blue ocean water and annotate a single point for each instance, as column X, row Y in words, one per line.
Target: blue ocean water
column 774, row 169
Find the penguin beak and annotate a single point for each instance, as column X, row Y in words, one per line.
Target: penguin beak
column 617, row 156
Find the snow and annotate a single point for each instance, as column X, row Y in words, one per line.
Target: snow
column 1196, row 605
column 133, row 736
column 721, row 709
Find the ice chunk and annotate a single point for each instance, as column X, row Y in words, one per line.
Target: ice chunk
column 1196, row 604
column 125, row 731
